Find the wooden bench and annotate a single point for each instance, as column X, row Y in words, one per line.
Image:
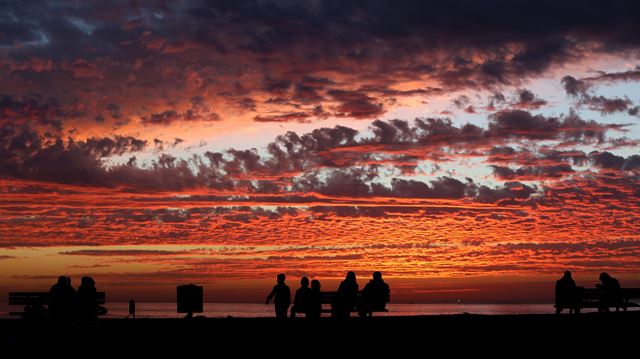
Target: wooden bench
column 34, row 300
column 328, row 299
column 592, row 298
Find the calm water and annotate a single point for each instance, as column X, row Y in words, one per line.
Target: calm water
column 246, row 310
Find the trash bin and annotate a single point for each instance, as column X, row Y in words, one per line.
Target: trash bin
column 190, row 298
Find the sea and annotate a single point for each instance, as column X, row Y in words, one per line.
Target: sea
column 256, row 310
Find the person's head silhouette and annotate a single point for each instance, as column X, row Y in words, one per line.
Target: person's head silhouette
column 315, row 284
column 377, row 276
column 604, row 276
column 87, row 282
column 304, row 282
column 62, row 280
column 567, row 274
column 351, row 277
column 281, row 278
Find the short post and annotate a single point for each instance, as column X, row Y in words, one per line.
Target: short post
column 132, row 308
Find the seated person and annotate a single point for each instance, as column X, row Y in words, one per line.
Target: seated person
column 376, row 294
column 610, row 288
column 567, row 294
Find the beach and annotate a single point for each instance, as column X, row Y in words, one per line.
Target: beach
column 457, row 332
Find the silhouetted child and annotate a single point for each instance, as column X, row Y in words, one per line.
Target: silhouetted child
column 376, row 294
column 301, row 300
column 610, row 288
column 314, row 305
column 87, row 308
column 282, row 299
column 61, row 300
column 346, row 296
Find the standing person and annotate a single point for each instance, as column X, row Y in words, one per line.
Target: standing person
column 282, row 295
column 346, row 296
column 376, row 294
column 86, row 299
column 314, row 309
column 301, row 300
column 61, row 300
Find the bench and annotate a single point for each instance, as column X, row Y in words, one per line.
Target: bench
column 329, row 298
column 38, row 300
column 592, row 297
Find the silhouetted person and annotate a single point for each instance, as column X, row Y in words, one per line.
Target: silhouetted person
column 132, row 308
column 346, row 296
column 61, row 300
column 87, row 308
column 314, row 304
column 282, row 299
column 567, row 294
column 376, row 294
column 301, row 300
column 610, row 288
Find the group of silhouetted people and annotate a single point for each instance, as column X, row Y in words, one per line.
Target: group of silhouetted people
column 569, row 295
column 66, row 304
column 308, row 300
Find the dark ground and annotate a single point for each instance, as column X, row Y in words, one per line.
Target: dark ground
column 419, row 336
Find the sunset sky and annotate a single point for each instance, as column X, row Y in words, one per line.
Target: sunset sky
column 467, row 149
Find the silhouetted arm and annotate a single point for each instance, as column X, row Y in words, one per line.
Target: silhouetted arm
column 270, row 296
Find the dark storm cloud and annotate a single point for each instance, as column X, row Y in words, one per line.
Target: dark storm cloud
column 630, row 75
column 528, row 100
column 608, row 160
column 24, row 153
column 606, row 105
column 286, row 117
column 356, row 104
column 573, row 86
column 198, row 112
column 301, row 161
column 34, row 109
column 532, row 172
column 581, row 91
column 349, row 183
column 520, row 123
column 444, row 187
column 118, row 145
column 153, row 52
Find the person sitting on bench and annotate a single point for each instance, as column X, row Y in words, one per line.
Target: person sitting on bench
column 314, row 304
column 346, row 297
column 376, row 295
column 610, row 288
column 61, row 300
column 567, row 294
column 87, row 308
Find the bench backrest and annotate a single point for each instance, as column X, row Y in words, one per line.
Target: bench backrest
column 624, row 293
column 41, row 298
column 630, row 293
column 330, row 297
